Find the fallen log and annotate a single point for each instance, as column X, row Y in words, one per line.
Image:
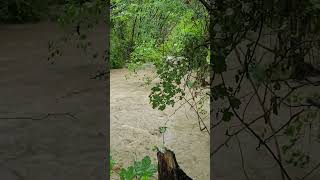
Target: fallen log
column 168, row 168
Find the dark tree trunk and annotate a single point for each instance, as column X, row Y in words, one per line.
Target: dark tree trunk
column 168, row 168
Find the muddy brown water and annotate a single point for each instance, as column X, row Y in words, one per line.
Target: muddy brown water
column 32, row 87
column 134, row 127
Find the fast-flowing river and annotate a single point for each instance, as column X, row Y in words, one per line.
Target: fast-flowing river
column 134, row 127
column 32, row 87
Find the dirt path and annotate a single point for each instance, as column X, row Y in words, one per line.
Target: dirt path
column 49, row 147
column 134, row 128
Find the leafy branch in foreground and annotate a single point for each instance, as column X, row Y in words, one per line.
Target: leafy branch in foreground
column 140, row 170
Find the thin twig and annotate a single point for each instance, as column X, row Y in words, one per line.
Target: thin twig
column 282, row 127
column 259, row 138
column 242, row 158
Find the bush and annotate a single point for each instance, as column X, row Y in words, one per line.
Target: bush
column 144, row 53
column 118, row 53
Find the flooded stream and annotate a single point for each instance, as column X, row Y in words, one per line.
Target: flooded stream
column 33, row 86
column 134, row 127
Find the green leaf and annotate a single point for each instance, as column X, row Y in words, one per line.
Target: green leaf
column 155, row 148
column 190, row 84
column 145, row 178
column 162, row 129
column 235, row 103
column 277, row 86
column 219, row 91
column 227, row 115
column 128, row 174
column 145, row 167
column 290, row 131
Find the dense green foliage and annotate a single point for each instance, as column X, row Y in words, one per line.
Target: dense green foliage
column 156, row 31
column 140, row 28
column 148, row 31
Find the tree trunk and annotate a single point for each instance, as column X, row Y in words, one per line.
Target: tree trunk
column 168, row 168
